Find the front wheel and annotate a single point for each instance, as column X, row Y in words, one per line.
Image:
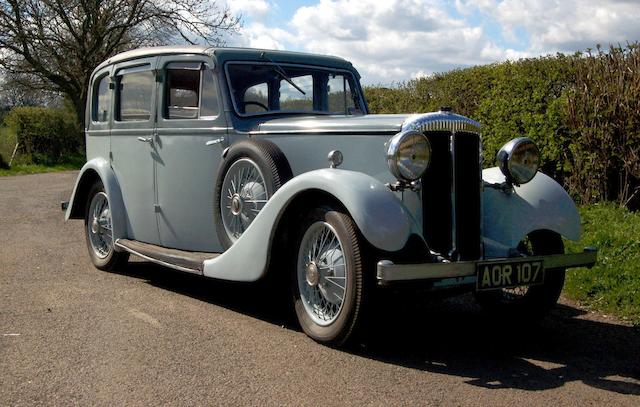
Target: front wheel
column 529, row 302
column 328, row 279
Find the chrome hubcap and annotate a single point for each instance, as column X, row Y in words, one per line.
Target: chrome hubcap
column 95, row 226
column 236, row 205
column 244, row 194
column 99, row 226
column 313, row 276
column 322, row 273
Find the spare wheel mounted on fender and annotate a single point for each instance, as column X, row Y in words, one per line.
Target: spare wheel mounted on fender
column 251, row 172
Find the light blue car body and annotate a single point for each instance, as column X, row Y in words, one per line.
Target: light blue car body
column 170, row 204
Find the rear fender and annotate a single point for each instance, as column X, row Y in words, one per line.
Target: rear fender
column 380, row 216
column 94, row 170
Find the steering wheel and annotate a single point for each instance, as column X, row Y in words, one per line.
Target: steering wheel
column 251, row 102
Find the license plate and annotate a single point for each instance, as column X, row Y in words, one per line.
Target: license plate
column 509, row 274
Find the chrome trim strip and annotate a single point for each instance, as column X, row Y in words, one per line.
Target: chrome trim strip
column 160, row 262
column 454, row 186
column 441, row 121
column 388, row 272
column 319, row 131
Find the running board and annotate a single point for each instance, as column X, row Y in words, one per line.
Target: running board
column 190, row 262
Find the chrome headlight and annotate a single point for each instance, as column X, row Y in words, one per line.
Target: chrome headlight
column 408, row 155
column 518, row 160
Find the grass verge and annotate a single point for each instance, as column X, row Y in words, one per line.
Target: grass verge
column 613, row 285
column 21, row 169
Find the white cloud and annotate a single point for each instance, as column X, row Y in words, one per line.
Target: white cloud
column 394, row 40
column 389, row 41
column 254, row 9
column 567, row 25
column 258, row 35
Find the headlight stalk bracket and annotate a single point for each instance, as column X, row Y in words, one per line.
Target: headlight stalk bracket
column 400, row 186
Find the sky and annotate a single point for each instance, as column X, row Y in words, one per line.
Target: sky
column 389, row 41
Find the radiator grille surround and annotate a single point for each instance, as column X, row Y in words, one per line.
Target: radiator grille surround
column 451, row 186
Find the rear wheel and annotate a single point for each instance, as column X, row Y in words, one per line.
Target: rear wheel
column 99, row 231
column 328, row 279
column 529, row 301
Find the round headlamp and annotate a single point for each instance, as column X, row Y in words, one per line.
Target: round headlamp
column 518, row 160
column 408, row 155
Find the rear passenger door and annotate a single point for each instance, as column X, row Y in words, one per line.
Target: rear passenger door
column 189, row 115
column 133, row 145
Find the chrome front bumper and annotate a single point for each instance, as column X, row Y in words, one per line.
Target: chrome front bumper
column 465, row 271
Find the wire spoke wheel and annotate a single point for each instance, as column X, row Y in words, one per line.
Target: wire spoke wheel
column 321, row 271
column 510, row 294
column 244, row 194
column 99, row 228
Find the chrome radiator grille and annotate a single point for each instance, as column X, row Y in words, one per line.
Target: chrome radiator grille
column 451, row 194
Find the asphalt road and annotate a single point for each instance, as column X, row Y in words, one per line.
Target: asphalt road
column 73, row 335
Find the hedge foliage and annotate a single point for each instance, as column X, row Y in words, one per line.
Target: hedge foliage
column 47, row 136
column 583, row 110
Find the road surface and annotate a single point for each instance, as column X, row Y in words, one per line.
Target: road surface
column 73, row 335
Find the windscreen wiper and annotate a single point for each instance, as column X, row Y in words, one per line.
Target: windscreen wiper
column 282, row 73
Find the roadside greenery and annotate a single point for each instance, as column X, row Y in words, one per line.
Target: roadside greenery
column 24, row 164
column 582, row 110
column 44, row 135
column 613, row 285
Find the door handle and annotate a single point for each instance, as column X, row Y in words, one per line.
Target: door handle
column 145, row 139
column 216, row 141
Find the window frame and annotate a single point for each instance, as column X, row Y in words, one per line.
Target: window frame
column 203, row 67
column 118, row 74
column 95, row 97
column 345, row 72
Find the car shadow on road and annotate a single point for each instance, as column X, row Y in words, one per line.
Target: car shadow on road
column 452, row 337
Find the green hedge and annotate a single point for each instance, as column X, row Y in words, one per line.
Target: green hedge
column 3, row 164
column 583, row 110
column 46, row 136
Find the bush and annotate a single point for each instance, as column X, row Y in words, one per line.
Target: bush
column 3, row 164
column 583, row 111
column 46, row 136
column 603, row 117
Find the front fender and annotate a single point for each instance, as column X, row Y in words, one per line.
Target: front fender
column 539, row 204
column 99, row 168
column 380, row 216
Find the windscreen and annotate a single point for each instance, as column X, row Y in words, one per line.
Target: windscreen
column 278, row 88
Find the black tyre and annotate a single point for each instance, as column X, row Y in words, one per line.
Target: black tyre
column 328, row 279
column 251, row 172
column 535, row 301
column 99, row 231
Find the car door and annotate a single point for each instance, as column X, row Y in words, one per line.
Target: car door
column 133, row 145
column 191, row 131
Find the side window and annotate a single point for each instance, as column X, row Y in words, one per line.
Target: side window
column 292, row 99
column 190, row 92
column 135, row 90
column 255, row 98
column 340, row 96
column 101, row 100
column 209, row 105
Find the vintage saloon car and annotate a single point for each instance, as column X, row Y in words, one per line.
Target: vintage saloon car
column 236, row 163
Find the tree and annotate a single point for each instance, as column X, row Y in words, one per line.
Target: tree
column 22, row 90
column 58, row 43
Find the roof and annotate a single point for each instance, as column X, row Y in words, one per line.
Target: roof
column 223, row 54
